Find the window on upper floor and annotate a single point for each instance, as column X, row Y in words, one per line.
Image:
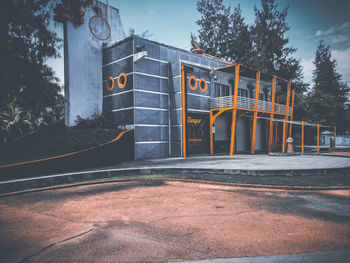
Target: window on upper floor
column 221, row 90
column 243, row 93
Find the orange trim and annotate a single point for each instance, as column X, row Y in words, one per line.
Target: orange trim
column 212, row 121
column 234, row 111
column 110, row 88
column 318, row 138
column 190, row 85
column 194, row 140
column 261, row 111
column 220, row 112
column 335, row 136
column 67, row 154
column 276, row 125
column 122, row 85
column 183, row 111
column 245, row 109
column 223, row 108
column 266, row 132
column 211, row 132
column 116, row 138
column 302, row 136
column 205, row 83
column 284, row 136
column 286, row 118
column 276, row 132
column 291, row 114
column 257, row 86
column 272, row 113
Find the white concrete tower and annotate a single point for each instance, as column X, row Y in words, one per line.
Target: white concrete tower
column 101, row 23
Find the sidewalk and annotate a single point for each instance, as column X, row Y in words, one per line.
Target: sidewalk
column 318, row 257
column 237, row 165
column 247, row 162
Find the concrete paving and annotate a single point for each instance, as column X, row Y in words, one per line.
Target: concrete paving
column 240, row 164
column 343, row 154
column 318, row 257
column 155, row 221
column 245, row 162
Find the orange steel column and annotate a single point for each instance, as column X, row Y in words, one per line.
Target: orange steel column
column 276, row 130
column 257, row 85
column 211, row 132
column 183, row 83
column 335, row 136
column 284, row 136
column 291, row 114
column 286, row 118
column 272, row 112
column 318, row 138
column 302, row 136
column 234, row 111
column 266, row 132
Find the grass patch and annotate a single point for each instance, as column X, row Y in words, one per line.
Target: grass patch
column 54, row 140
column 324, row 180
column 300, row 181
column 315, row 181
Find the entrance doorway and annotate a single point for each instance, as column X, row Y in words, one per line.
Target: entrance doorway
column 197, row 131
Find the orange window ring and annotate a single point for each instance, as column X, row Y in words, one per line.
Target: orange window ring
column 122, row 80
column 203, row 85
column 110, row 84
column 193, row 83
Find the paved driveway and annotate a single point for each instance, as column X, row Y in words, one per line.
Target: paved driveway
column 154, row 221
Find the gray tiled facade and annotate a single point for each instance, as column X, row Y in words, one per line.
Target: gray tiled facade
column 151, row 101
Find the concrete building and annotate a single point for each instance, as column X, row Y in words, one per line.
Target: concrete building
column 178, row 103
column 153, row 88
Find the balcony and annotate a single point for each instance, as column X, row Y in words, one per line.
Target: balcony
column 245, row 103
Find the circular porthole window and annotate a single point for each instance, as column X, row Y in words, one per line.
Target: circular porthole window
column 193, row 83
column 121, row 80
column 203, row 85
column 110, row 84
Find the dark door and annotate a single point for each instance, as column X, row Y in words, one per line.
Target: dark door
column 197, row 133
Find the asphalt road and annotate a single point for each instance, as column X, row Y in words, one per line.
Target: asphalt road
column 156, row 221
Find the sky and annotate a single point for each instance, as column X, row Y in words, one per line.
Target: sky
column 172, row 21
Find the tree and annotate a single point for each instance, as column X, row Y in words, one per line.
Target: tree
column 272, row 53
column 213, row 27
column 262, row 45
column 328, row 97
column 75, row 6
column 223, row 33
column 144, row 34
column 270, row 43
column 27, row 83
column 239, row 45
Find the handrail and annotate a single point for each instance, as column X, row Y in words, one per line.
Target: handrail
column 247, row 103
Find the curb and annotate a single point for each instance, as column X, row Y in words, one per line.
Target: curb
column 83, row 176
column 256, row 186
column 335, row 155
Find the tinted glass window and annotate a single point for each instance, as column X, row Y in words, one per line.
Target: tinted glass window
column 221, row 90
